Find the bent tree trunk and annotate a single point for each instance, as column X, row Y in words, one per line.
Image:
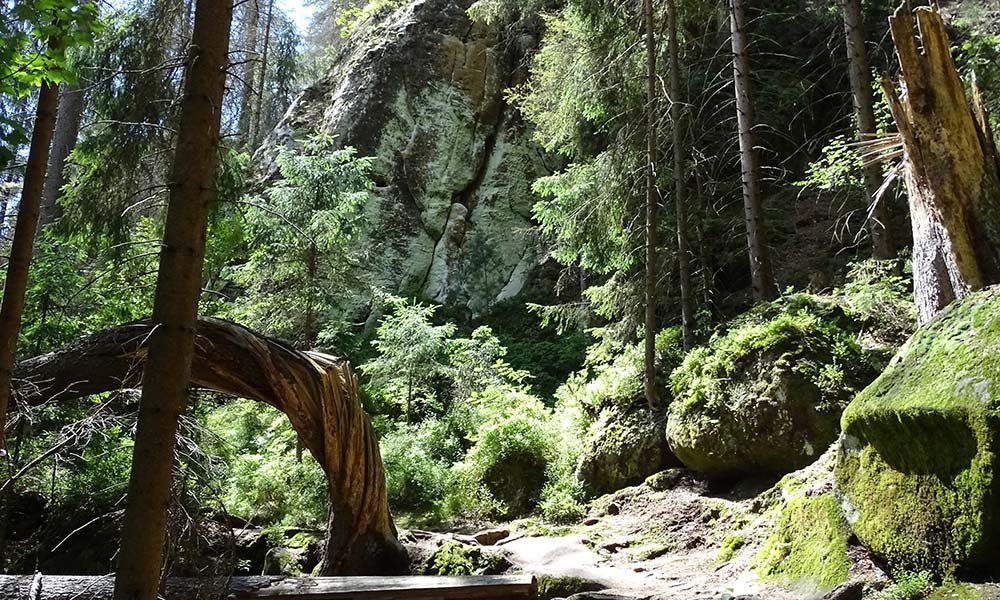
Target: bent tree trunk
column 950, row 167
column 317, row 392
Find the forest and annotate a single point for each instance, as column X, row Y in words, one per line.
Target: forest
column 589, row 299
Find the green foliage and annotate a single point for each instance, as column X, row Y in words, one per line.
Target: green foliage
column 881, row 298
column 418, row 461
column 839, row 166
column 412, row 355
column 266, row 482
column 301, row 243
column 354, row 16
column 36, row 40
column 908, row 585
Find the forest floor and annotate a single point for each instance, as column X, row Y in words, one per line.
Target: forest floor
column 640, row 542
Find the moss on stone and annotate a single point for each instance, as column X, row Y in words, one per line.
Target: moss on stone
column 563, row 586
column 730, row 546
column 766, row 396
column 958, row 591
column 455, row 558
column 918, row 461
column 808, row 544
column 622, row 450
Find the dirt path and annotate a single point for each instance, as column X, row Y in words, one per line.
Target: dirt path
column 685, row 576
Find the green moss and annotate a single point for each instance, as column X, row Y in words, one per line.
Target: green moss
column 766, row 395
column 919, row 459
column 957, row 591
column 455, row 558
column 808, row 544
column 560, row 586
column 730, row 546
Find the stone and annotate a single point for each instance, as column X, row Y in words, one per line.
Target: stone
column 852, row 590
column 807, row 544
column 421, row 91
column 625, row 446
column 664, row 480
column 591, row 521
column 917, row 464
column 765, row 397
column 562, row 586
column 613, row 509
column 489, row 537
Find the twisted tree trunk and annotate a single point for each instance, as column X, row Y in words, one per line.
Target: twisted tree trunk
column 950, row 167
column 317, row 392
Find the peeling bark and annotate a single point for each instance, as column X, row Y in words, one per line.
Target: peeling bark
column 317, row 392
column 950, row 167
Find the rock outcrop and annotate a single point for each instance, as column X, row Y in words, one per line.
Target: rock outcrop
column 422, row 91
column 766, row 397
column 917, row 468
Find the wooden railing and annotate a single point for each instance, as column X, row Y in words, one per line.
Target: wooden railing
column 67, row 587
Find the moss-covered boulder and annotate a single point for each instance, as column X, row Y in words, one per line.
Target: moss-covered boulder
column 918, row 461
column 623, row 449
column 808, row 545
column 765, row 396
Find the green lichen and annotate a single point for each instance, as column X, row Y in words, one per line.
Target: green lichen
column 918, row 461
column 807, row 545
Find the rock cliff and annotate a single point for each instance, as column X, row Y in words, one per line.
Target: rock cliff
column 422, row 91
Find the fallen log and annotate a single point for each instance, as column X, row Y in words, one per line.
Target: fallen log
column 59, row 587
column 318, row 393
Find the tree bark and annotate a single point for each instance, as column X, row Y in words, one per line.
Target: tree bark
column 249, row 98
column 317, row 392
column 23, row 243
column 68, row 119
column 175, row 305
column 652, row 203
column 864, row 112
column 761, row 275
column 950, row 167
column 262, row 79
column 680, row 180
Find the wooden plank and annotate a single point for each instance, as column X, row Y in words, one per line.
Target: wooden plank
column 64, row 587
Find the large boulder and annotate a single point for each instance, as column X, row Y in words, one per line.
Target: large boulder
column 765, row 397
column 421, row 90
column 624, row 447
column 918, row 461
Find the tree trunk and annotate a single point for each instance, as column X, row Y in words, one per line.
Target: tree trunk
column 761, row 275
column 69, row 116
column 680, row 180
column 950, row 167
column 317, row 392
column 23, row 243
column 175, row 305
column 249, row 98
column 262, row 79
column 652, row 202
column 864, row 111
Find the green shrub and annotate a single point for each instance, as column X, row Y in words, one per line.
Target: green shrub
column 417, row 461
column 504, row 472
column 908, row 586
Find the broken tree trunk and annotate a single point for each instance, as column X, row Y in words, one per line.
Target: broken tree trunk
column 317, row 392
column 950, row 167
column 47, row 587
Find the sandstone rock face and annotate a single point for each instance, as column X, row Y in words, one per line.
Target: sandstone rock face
column 422, row 91
column 917, row 467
